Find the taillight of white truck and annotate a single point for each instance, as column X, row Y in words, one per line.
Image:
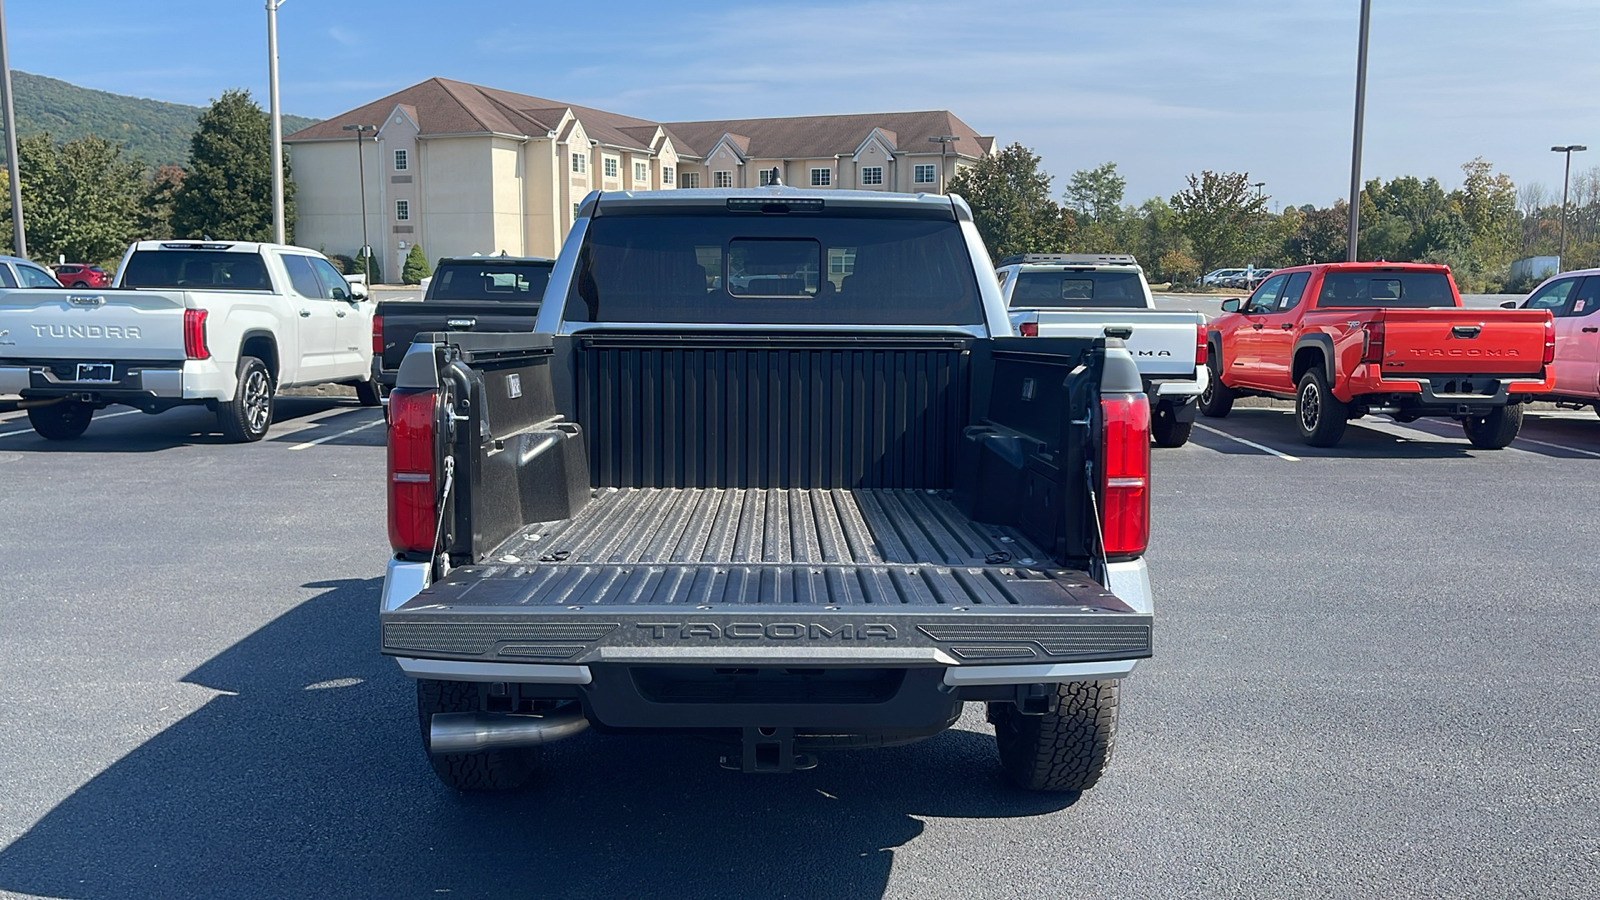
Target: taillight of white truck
column 194, row 334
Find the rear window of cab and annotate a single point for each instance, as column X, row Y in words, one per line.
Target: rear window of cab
column 1398, row 289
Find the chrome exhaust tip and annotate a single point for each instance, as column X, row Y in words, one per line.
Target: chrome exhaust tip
column 476, row 732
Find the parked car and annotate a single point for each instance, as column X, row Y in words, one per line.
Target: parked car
column 80, row 275
column 1346, row 339
column 1215, row 277
column 1090, row 295
column 215, row 323
column 788, row 523
column 18, row 272
column 1573, row 299
column 468, row 293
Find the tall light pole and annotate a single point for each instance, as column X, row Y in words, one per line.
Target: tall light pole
column 279, row 230
column 1355, row 151
column 361, row 167
column 1258, row 185
column 18, row 237
column 943, row 140
column 1565, row 179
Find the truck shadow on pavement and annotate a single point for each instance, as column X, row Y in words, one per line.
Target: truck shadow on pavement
column 304, row 777
column 113, row 432
column 1363, row 438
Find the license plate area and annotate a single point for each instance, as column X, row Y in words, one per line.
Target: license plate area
column 97, row 373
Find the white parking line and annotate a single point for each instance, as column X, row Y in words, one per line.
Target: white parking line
column 1261, row 447
column 126, row 412
column 1526, row 440
column 324, row 440
column 1435, row 422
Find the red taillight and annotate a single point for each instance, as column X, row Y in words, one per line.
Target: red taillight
column 1372, row 343
column 1028, row 329
column 1125, row 475
column 1549, row 339
column 377, row 335
column 1199, row 345
column 413, row 508
column 194, row 334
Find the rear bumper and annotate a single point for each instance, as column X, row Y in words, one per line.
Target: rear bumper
column 135, row 382
column 1445, row 391
column 1163, row 386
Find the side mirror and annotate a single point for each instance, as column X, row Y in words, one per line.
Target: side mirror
column 1509, row 304
column 358, row 291
column 1231, row 305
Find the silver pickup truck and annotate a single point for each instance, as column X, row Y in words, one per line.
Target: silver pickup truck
column 771, row 470
column 1081, row 295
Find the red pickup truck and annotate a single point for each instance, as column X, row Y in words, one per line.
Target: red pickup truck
column 1347, row 339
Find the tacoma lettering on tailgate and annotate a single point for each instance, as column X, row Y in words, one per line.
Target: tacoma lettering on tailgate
column 772, row 631
column 1465, row 352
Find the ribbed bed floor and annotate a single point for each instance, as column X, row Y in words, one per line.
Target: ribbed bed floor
column 805, row 527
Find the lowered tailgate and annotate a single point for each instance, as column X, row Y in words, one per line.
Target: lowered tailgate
column 1162, row 343
column 403, row 320
column 1460, row 341
column 91, row 325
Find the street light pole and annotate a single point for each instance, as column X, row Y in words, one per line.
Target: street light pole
column 361, row 167
column 943, row 140
column 1565, row 180
column 18, row 236
column 1355, row 151
column 1258, row 185
column 279, row 229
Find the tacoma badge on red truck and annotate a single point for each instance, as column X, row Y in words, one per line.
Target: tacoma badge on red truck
column 1347, row 339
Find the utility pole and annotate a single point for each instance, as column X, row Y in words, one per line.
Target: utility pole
column 1355, row 151
column 361, row 167
column 279, row 230
column 18, row 236
column 1258, row 185
column 1565, row 180
column 943, row 140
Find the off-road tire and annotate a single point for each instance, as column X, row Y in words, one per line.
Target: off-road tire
column 1320, row 416
column 370, row 393
column 1165, row 429
column 248, row 415
column 1216, row 401
column 1066, row 750
column 1495, row 431
column 62, row 421
column 491, row 770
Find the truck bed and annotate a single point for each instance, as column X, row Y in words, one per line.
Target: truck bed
column 893, row 575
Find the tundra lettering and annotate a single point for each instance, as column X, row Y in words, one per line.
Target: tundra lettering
column 105, row 332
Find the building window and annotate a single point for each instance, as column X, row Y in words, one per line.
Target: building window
column 401, row 163
column 872, row 175
column 766, row 177
column 575, row 208
column 722, row 179
column 641, row 172
column 821, row 177
column 927, row 174
column 610, row 166
column 690, row 180
column 402, row 210
column 666, row 174
column 580, row 164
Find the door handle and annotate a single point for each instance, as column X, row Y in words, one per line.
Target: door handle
column 305, row 313
column 340, row 313
column 1286, row 326
column 1591, row 330
column 1256, row 325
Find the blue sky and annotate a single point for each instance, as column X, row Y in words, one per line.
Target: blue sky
column 1163, row 88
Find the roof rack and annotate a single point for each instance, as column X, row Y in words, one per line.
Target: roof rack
column 1070, row 259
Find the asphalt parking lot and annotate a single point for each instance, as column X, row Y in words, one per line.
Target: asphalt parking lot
column 1375, row 677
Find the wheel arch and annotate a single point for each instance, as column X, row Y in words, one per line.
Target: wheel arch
column 263, row 345
column 1311, row 351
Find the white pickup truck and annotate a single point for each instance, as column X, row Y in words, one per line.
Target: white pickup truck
column 224, row 324
column 1084, row 295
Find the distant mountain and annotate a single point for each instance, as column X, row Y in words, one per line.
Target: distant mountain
column 155, row 132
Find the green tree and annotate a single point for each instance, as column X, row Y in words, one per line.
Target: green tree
column 1321, row 236
column 79, row 199
column 228, row 191
column 1010, row 199
column 1096, row 194
column 155, row 208
column 1221, row 217
column 1488, row 204
column 416, row 267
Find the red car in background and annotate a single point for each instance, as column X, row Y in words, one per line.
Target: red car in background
column 80, row 275
column 1346, row 339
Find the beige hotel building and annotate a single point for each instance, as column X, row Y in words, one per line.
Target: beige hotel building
column 463, row 169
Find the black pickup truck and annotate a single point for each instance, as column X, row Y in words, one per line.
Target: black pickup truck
column 773, row 471
column 467, row 293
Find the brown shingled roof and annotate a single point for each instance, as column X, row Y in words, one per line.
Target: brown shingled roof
column 441, row 106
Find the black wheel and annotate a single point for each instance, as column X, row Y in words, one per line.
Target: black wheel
column 1066, row 750
column 1495, row 431
column 1216, row 401
column 1165, row 429
column 60, row 421
column 492, row 770
column 370, row 393
column 1320, row 415
column 246, row 417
